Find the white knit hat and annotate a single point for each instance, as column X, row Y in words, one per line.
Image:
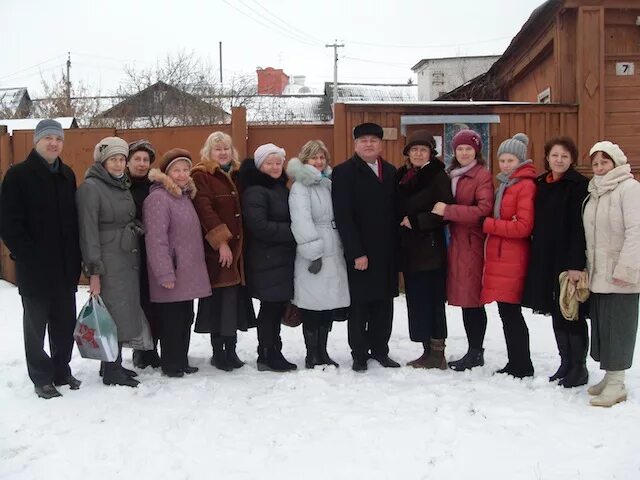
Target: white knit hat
column 108, row 147
column 611, row 149
column 263, row 151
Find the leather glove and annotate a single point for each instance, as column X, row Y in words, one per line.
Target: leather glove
column 315, row 266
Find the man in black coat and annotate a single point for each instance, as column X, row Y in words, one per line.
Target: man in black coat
column 141, row 156
column 364, row 196
column 39, row 225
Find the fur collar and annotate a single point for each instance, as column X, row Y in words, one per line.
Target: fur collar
column 249, row 175
column 165, row 181
column 424, row 176
column 210, row 166
column 306, row 174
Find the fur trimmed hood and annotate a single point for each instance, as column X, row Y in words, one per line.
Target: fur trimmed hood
column 307, row 174
column 163, row 180
column 249, row 175
column 210, row 166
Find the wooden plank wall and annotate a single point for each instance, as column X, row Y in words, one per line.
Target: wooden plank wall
column 622, row 93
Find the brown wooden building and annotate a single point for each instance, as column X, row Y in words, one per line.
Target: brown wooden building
column 575, row 52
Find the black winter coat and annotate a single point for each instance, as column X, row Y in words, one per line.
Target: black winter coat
column 39, row 225
column 271, row 247
column 558, row 241
column 365, row 211
column 423, row 247
column 139, row 191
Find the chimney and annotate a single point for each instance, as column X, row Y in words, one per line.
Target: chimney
column 271, row 81
column 299, row 80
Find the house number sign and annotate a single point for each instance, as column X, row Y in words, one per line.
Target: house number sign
column 625, row 68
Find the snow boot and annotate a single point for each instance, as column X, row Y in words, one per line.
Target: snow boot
column 421, row 361
column 473, row 358
column 359, row 364
column 310, row 333
column 578, row 374
column 613, row 392
column 436, row 358
column 219, row 358
column 114, row 374
column 385, row 361
column 562, row 340
column 323, row 337
column 598, row 387
column 230, row 349
column 272, row 360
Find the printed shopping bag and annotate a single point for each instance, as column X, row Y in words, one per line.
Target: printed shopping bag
column 96, row 334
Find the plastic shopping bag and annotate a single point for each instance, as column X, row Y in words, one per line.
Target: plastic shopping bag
column 96, row 334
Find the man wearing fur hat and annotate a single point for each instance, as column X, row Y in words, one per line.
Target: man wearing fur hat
column 141, row 156
column 39, row 225
column 364, row 197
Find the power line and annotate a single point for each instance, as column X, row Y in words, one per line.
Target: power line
column 31, row 67
column 392, row 64
column 387, row 45
column 286, row 24
column 270, row 26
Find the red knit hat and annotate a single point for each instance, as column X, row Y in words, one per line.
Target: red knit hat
column 467, row 137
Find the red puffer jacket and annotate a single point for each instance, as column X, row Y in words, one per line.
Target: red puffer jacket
column 509, row 241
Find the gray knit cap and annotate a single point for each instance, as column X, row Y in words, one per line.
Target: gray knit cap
column 108, row 147
column 516, row 145
column 47, row 127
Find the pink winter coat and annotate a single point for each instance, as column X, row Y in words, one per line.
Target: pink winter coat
column 509, row 242
column 474, row 202
column 173, row 236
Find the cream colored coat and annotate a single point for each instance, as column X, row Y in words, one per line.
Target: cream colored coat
column 611, row 219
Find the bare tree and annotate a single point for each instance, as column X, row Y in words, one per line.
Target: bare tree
column 81, row 104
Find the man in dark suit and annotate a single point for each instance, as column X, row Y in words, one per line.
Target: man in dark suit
column 364, row 196
column 39, row 225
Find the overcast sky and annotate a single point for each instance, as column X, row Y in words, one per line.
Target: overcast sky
column 383, row 39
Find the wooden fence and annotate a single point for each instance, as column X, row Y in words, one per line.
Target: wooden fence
column 540, row 122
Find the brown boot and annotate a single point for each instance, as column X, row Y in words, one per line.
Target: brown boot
column 421, row 361
column 436, row 356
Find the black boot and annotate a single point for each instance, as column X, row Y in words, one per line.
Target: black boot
column 578, row 345
column 219, row 359
column 310, row 333
column 272, row 360
column 473, row 358
column 140, row 359
column 562, row 339
column 230, row 350
column 359, row 363
column 114, row 374
column 323, row 337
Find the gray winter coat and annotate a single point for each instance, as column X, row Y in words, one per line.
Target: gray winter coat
column 109, row 240
column 313, row 227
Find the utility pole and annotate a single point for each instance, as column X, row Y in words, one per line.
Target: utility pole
column 220, row 45
column 335, row 47
column 68, row 83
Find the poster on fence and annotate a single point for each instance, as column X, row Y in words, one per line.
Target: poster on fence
column 450, row 129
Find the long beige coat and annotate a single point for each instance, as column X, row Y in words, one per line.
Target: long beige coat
column 611, row 219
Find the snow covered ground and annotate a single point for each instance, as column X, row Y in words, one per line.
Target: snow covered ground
column 333, row 424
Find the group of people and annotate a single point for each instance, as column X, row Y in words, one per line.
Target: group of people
column 329, row 243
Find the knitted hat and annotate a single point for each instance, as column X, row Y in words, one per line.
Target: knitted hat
column 611, row 149
column 368, row 129
column 516, row 145
column 467, row 137
column 263, row 151
column 421, row 137
column 47, row 127
column 142, row 146
column 108, row 147
column 172, row 156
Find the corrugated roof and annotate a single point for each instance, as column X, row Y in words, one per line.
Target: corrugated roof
column 348, row 92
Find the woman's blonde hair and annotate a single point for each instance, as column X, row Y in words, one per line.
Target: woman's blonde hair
column 213, row 140
column 311, row 149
